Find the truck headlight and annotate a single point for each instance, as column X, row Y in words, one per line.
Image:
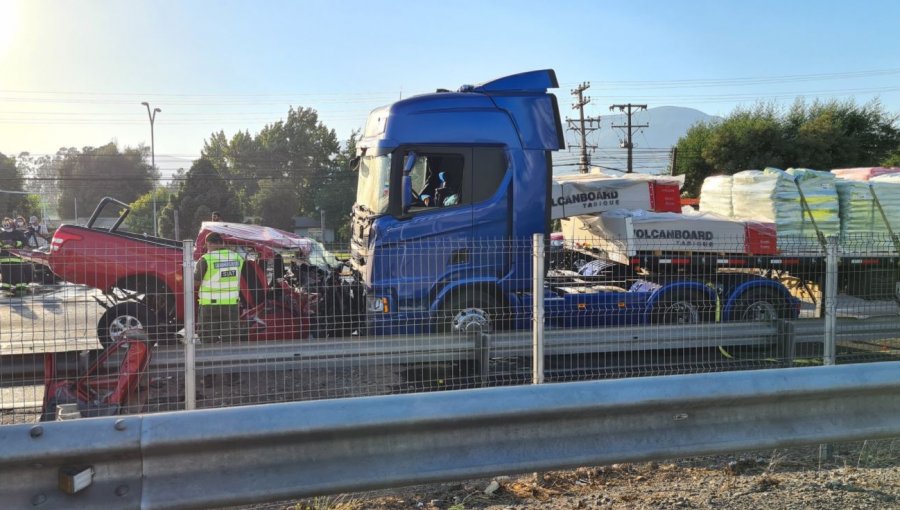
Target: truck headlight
column 378, row 304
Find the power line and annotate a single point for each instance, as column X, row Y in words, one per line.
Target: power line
column 746, row 80
column 686, row 82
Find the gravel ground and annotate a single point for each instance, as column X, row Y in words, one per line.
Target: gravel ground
column 862, row 475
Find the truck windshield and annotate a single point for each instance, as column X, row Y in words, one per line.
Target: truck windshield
column 374, row 179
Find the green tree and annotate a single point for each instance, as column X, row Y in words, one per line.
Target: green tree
column 836, row 134
column 821, row 135
column 298, row 153
column 691, row 162
column 140, row 219
column 337, row 193
column 276, row 204
column 202, row 191
column 746, row 139
column 893, row 159
column 87, row 176
column 12, row 201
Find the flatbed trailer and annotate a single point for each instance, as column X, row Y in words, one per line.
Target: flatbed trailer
column 868, row 275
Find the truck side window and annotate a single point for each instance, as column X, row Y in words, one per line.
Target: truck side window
column 489, row 169
column 438, row 181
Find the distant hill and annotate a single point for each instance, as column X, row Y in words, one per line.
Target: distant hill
column 652, row 144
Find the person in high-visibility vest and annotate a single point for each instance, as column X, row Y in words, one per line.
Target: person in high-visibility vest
column 14, row 273
column 217, row 280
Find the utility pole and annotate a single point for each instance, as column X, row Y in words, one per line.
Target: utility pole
column 152, row 117
column 673, row 164
column 628, row 109
column 584, row 162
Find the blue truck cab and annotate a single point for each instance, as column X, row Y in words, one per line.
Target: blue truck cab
column 452, row 186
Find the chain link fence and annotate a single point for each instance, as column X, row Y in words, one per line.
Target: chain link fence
column 117, row 326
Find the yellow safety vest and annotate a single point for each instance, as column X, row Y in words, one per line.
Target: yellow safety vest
column 221, row 283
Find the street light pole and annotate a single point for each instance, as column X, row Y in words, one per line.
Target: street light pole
column 152, row 116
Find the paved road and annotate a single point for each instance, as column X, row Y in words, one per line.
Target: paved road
column 64, row 317
column 50, row 318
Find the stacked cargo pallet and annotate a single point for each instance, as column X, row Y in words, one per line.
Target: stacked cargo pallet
column 715, row 195
column 798, row 202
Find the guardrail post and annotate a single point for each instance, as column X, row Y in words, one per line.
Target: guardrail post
column 785, row 344
column 190, row 338
column 483, row 356
column 537, row 315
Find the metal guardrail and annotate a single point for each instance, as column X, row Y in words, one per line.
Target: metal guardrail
column 783, row 335
column 442, row 348
column 272, row 452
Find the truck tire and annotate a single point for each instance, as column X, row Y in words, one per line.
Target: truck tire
column 874, row 284
column 760, row 305
column 121, row 317
column 683, row 307
column 469, row 311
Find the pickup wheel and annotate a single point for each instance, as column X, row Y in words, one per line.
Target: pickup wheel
column 122, row 317
column 683, row 307
column 760, row 305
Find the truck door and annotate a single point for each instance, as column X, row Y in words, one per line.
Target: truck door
column 449, row 230
column 430, row 239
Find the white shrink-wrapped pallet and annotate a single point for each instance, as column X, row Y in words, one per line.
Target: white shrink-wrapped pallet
column 754, row 193
column 771, row 195
column 858, row 214
column 887, row 189
column 821, row 196
column 715, row 195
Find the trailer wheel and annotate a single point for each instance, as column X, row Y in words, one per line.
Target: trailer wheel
column 122, row 317
column 875, row 284
column 469, row 311
column 684, row 307
column 760, row 305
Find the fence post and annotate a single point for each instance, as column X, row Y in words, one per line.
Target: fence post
column 190, row 338
column 829, row 299
column 537, row 315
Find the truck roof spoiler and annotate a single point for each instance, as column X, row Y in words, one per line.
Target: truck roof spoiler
column 530, row 81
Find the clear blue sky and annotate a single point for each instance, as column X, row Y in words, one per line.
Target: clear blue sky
column 74, row 73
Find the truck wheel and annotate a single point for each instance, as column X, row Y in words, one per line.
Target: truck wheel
column 466, row 312
column 690, row 307
column 874, row 284
column 120, row 318
column 760, row 305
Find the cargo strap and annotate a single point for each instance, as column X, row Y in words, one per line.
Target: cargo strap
column 805, row 205
column 884, row 217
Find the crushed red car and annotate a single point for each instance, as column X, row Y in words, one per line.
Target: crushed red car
column 141, row 278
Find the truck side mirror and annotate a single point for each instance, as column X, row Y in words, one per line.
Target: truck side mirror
column 354, row 164
column 407, row 193
column 408, row 166
column 410, row 162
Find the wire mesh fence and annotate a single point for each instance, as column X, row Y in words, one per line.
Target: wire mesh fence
column 279, row 317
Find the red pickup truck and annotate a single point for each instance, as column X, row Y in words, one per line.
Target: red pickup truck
column 142, row 280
